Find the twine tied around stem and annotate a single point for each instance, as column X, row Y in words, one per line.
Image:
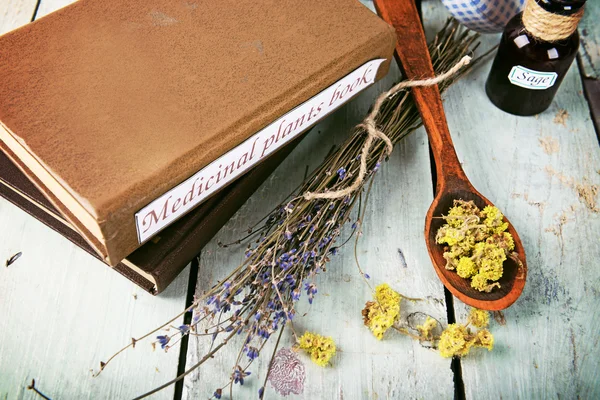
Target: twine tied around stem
column 548, row 26
column 370, row 127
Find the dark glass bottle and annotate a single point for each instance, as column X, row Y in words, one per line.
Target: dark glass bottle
column 528, row 70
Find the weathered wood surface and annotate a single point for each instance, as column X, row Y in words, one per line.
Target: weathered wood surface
column 391, row 250
column 542, row 172
column 62, row 311
column 589, row 30
column 14, row 13
column 589, row 57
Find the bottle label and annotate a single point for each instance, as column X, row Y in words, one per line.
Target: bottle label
column 530, row 79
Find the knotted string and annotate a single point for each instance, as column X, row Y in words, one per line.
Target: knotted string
column 370, row 127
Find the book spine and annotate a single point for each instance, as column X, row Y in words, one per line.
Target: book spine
column 164, row 210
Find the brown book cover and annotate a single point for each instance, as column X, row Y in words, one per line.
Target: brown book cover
column 155, row 264
column 117, row 105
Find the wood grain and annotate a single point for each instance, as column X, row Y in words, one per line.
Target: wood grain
column 14, row 13
column 63, row 311
column 589, row 30
column 589, row 59
column 391, row 250
column 539, row 171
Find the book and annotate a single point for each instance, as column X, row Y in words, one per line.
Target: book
column 155, row 264
column 133, row 113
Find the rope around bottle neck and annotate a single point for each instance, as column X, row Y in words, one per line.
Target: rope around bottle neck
column 548, row 26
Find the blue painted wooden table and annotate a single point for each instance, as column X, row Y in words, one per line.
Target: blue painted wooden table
column 61, row 311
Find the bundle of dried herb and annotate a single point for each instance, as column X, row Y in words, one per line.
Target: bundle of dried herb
column 295, row 242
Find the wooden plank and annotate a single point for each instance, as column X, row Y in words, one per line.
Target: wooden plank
column 14, row 13
column 542, row 172
column 48, row 6
column 63, row 311
column 589, row 49
column 589, row 57
column 392, row 250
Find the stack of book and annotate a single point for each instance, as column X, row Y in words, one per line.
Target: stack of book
column 137, row 129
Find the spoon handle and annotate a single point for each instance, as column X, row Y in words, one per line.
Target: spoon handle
column 412, row 55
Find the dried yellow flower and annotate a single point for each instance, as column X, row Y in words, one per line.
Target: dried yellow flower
column 479, row 318
column 466, row 267
column 320, row 348
column 426, row 330
column 484, row 338
column 477, row 244
column 494, row 219
column 455, row 341
column 380, row 315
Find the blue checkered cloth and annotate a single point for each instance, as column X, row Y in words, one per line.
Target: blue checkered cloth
column 485, row 16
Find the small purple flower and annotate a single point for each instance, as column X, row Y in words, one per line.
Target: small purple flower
column 295, row 295
column 286, row 265
column 261, row 392
column 184, row 329
column 196, row 317
column 342, row 173
column 376, row 168
column 239, row 375
column 324, row 242
column 163, row 340
column 367, row 276
column 217, row 394
column 287, row 234
column 252, row 353
column 263, row 333
column 310, row 288
column 290, row 280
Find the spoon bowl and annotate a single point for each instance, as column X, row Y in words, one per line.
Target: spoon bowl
column 452, row 184
column 513, row 277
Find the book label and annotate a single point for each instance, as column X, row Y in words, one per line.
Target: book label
column 161, row 212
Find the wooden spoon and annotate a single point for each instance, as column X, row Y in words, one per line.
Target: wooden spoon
column 452, row 183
